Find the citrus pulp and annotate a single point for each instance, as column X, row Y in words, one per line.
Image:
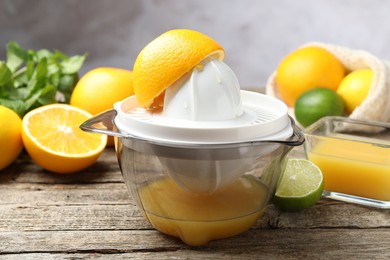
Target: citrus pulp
column 301, row 186
column 53, row 139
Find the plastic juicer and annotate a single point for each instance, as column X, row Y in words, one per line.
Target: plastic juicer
column 212, row 142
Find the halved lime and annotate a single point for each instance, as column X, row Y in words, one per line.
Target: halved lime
column 301, row 186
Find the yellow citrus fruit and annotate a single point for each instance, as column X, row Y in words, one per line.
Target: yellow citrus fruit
column 305, row 69
column 100, row 88
column 53, row 139
column 10, row 136
column 166, row 59
column 354, row 88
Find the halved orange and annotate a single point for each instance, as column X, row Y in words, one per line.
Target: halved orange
column 166, row 59
column 53, row 139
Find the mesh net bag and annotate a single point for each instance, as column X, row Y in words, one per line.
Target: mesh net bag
column 376, row 106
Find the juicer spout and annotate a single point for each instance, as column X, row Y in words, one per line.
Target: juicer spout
column 102, row 123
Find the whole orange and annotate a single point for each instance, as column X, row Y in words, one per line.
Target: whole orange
column 305, row 69
column 100, row 88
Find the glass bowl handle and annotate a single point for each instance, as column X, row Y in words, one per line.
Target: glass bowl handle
column 296, row 139
column 102, row 123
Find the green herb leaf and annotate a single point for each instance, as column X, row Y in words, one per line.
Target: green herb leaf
column 15, row 56
column 43, row 54
column 38, row 78
column 5, row 74
column 47, row 95
column 73, row 64
column 29, row 79
column 67, row 84
column 19, row 106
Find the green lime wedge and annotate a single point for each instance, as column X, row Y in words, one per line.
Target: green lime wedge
column 301, row 186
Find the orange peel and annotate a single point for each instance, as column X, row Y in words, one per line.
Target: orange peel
column 166, row 59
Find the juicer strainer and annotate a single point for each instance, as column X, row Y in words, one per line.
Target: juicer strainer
column 264, row 124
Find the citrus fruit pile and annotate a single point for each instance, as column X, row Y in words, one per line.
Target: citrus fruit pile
column 50, row 134
column 317, row 84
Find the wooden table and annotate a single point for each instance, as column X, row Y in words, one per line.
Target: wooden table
column 91, row 215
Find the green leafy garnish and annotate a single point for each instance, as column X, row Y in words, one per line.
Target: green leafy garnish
column 30, row 79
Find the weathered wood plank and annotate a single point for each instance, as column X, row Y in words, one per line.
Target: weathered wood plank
column 287, row 243
column 330, row 214
column 83, row 217
column 98, row 172
column 64, row 194
column 86, row 205
column 106, row 169
column 108, row 215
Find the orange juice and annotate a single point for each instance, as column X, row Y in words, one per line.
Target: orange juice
column 355, row 168
column 197, row 219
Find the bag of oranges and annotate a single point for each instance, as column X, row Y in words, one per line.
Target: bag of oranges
column 376, row 105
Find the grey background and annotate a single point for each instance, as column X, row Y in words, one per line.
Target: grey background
column 256, row 34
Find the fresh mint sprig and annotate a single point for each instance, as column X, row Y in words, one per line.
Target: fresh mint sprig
column 30, row 79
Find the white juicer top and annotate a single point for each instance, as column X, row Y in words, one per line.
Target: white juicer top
column 206, row 106
column 210, row 93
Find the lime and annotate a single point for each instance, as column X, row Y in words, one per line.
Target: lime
column 301, row 186
column 317, row 103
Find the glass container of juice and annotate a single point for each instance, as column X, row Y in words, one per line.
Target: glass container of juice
column 354, row 157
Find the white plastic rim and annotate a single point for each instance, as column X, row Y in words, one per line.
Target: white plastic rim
column 264, row 118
